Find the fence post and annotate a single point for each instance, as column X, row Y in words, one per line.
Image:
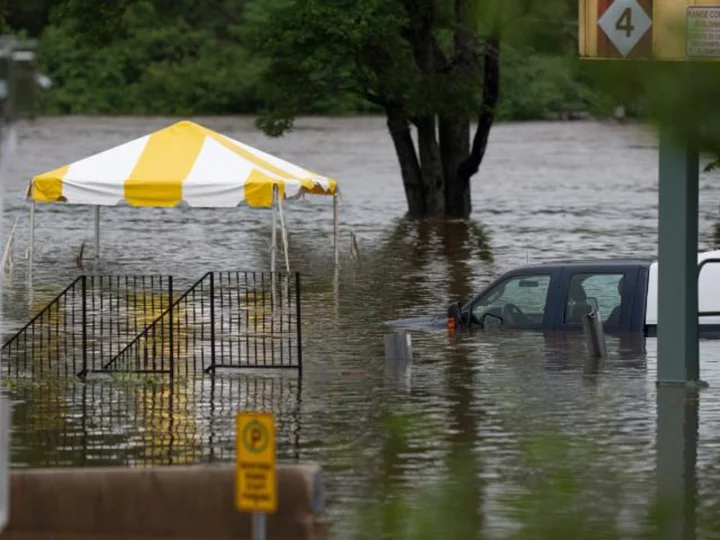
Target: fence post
column 299, row 322
column 212, row 320
column 84, row 326
column 398, row 347
column 398, row 358
column 170, row 314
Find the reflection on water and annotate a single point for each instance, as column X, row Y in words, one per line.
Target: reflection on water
column 144, row 423
column 677, row 441
column 487, row 398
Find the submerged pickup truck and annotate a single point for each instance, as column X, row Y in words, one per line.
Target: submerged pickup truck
column 554, row 296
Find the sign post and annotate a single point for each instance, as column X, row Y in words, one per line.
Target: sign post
column 256, row 475
column 665, row 31
column 7, row 117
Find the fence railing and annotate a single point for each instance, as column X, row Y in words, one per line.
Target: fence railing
column 93, row 318
column 225, row 320
column 138, row 324
column 36, row 349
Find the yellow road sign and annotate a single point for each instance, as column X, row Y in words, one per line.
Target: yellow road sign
column 256, row 478
column 650, row 29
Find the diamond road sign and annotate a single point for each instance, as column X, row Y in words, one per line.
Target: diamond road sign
column 649, row 30
column 625, row 23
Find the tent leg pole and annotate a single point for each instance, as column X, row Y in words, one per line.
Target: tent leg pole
column 283, row 232
column 273, row 247
column 273, row 238
column 336, row 231
column 31, row 254
column 97, row 237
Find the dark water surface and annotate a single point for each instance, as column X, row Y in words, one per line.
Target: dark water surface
column 546, row 190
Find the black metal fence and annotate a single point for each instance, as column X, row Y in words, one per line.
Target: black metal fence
column 93, row 318
column 139, row 324
column 65, row 423
column 225, row 320
column 36, row 349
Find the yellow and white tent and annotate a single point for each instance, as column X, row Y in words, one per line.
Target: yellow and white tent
column 182, row 164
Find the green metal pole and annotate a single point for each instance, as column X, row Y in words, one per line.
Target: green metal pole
column 678, row 357
column 676, row 473
column 6, row 117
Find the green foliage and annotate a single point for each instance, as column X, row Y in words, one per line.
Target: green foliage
column 557, row 486
column 679, row 96
column 288, row 57
column 443, row 508
column 434, row 510
column 566, row 491
column 361, row 49
column 540, row 85
column 29, row 16
column 342, row 49
column 155, row 64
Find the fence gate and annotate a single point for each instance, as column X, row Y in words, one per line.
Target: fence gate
column 140, row 324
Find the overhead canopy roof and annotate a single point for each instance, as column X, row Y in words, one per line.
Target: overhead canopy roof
column 182, row 163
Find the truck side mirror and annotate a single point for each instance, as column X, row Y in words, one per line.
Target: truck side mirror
column 454, row 315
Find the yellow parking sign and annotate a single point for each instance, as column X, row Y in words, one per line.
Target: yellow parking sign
column 256, row 479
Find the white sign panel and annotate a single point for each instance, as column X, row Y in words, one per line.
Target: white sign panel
column 625, row 23
column 702, row 31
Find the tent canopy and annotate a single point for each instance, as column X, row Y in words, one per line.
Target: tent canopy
column 184, row 163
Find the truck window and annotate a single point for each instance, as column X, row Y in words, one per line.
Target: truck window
column 600, row 292
column 519, row 300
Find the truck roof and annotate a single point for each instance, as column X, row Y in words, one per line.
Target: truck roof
column 597, row 263
column 634, row 261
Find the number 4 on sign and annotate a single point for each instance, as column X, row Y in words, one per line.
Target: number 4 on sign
column 624, row 23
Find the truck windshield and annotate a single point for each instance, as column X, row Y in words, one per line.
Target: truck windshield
column 519, row 301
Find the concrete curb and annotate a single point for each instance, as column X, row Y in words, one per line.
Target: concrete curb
column 152, row 503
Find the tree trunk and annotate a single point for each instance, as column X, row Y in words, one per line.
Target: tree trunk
column 447, row 187
column 437, row 176
column 433, row 180
column 455, row 148
column 455, row 132
column 399, row 128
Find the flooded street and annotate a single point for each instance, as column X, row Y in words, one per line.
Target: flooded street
column 545, row 191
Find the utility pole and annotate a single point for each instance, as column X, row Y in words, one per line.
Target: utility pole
column 18, row 81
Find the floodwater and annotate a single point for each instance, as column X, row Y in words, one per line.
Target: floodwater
column 545, row 190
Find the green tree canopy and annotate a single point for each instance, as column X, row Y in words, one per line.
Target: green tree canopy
column 433, row 67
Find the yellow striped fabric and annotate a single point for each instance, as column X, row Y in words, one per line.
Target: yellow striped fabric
column 184, row 162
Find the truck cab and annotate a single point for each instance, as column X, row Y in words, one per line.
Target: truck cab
column 554, row 296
